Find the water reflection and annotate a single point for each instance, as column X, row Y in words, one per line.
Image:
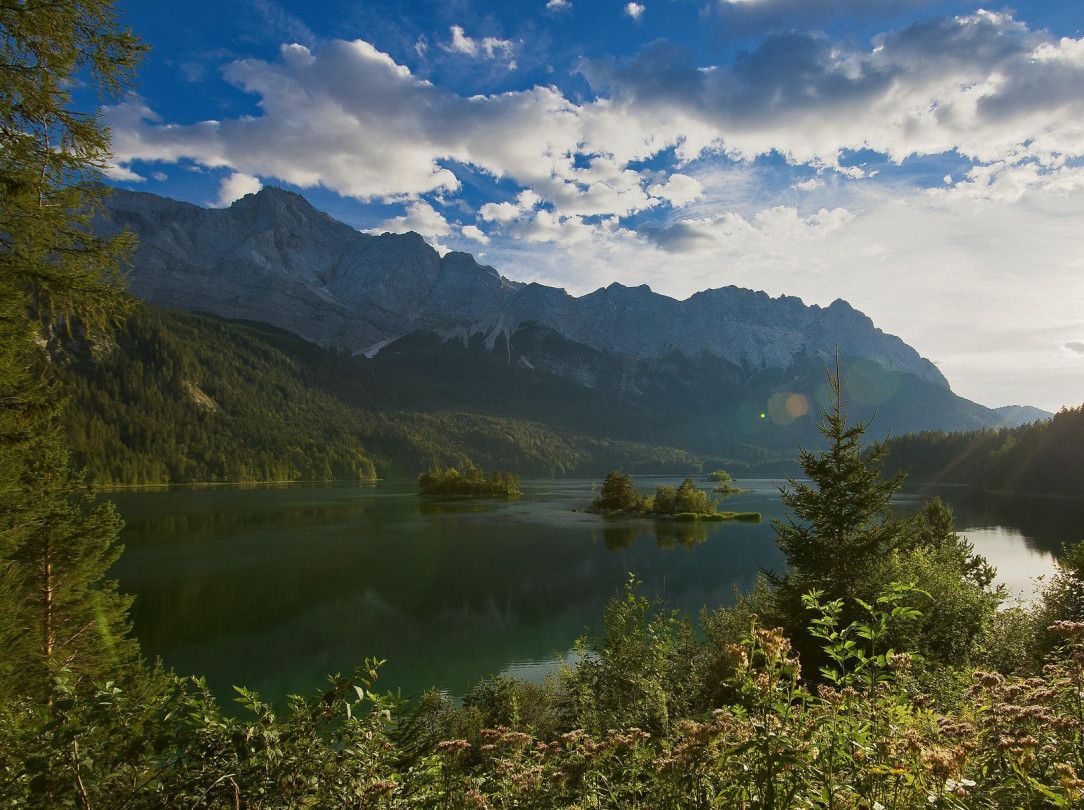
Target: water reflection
column 427, row 506
column 669, row 533
column 277, row 588
column 1042, row 524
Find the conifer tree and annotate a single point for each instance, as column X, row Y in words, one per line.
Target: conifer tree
column 842, row 523
column 58, row 619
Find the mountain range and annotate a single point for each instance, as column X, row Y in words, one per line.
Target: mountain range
column 728, row 372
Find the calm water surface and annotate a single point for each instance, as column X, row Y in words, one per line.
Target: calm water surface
column 276, row 588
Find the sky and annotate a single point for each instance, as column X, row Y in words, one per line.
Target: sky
column 922, row 160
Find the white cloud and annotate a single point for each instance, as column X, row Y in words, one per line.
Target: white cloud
column 235, row 186
column 420, row 217
column 505, row 212
column 1009, row 182
column 679, row 190
column 487, row 47
column 635, row 10
column 972, row 85
column 558, row 5
column 566, row 231
column 771, row 231
column 350, row 118
column 474, row 233
column 984, row 88
column 122, row 174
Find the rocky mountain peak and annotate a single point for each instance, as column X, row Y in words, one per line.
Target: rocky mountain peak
column 273, row 257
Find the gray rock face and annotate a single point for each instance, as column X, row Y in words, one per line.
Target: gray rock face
column 272, row 257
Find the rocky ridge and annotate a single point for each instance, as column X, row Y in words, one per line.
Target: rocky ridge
column 272, row 257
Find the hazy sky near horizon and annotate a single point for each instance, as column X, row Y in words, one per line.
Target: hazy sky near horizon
column 923, row 160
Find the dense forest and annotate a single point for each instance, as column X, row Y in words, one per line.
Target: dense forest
column 1044, row 458
column 175, row 398
column 172, row 397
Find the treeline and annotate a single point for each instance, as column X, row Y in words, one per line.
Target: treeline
column 174, row 398
column 1041, row 458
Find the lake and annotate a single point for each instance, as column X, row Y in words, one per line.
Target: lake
column 277, row 587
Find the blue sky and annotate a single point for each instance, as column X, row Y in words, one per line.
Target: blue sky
column 923, row 160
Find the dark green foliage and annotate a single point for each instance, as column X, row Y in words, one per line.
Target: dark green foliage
column 61, row 625
column 640, row 672
column 690, row 498
column 1063, row 596
column 184, row 399
column 1043, row 458
column 945, row 569
column 618, row 494
column 472, row 483
column 844, row 540
column 61, row 621
column 842, row 524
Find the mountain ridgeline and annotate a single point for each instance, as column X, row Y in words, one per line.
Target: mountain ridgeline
column 322, row 353
column 272, row 257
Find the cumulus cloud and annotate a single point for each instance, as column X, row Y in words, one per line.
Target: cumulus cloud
column 235, row 186
column 123, row 174
column 420, row 217
column 474, row 233
column 545, row 226
column 972, row 84
column 771, row 230
column 558, row 5
column 487, row 47
column 348, row 117
column 504, row 212
column 678, row 190
column 635, row 10
column 1075, row 346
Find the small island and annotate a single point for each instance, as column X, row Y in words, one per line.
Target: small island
column 472, row 484
column 724, row 483
column 619, row 497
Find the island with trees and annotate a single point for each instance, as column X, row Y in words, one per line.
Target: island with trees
column 724, row 483
column 474, row 483
column 620, row 497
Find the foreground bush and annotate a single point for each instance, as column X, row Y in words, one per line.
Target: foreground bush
column 864, row 736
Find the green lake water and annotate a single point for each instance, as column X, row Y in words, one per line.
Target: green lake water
column 277, row 587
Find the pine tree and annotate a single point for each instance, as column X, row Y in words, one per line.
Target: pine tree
column 842, row 523
column 58, row 618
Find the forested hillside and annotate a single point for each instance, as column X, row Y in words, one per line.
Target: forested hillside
column 1041, row 458
column 179, row 398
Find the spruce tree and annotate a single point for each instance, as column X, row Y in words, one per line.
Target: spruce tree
column 58, row 619
column 841, row 524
